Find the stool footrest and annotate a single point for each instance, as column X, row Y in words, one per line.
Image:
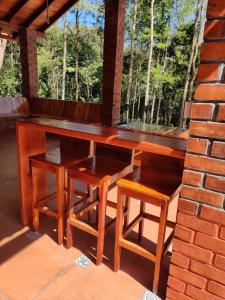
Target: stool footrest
column 136, row 249
column 110, row 223
column 83, row 226
column 129, row 228
column 80, row 194
column 86, row 208
column 45, row 200
column 157, row 219
column 112, row 204
column 47, row 211
column 80, row 202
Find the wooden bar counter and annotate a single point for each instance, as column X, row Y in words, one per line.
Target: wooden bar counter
column 31, row 141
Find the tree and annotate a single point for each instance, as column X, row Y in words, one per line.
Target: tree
column 151, row 46
column 131, row 62
column 64, row 57
column 188, row 73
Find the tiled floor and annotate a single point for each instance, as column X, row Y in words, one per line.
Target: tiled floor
column 36, row 268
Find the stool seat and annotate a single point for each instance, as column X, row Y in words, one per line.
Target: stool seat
column 57, row 158
column 98, row 167
column 152, row 183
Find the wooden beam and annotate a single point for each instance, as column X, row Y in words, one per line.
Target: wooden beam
column 14, row 10
column 36, row 13
column 28, row 53
column 115, row 12
column 11, row 28
column 8, row 37
column 61, row 12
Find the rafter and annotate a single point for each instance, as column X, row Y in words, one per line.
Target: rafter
column 8, row 37
column 37, row 13
column 12, row 28
column 14, row 10
column 61, row 12
column 9, row 26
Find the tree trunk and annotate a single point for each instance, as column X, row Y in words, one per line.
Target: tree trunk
column 153, row 107
column 161, row 82
column 3, row 43
column 130, row 76
column 134, row 100
column 201, row 25
column 77, row 55
column 188, row 73
column 139, row 101
column 64, row 57
column 149, row 61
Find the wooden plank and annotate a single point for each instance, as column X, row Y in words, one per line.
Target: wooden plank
column 70, row 110
column 156, row 219
column 14, row 10
column 83, row 226
column 8, row 37
column 148, row 143
column 132, row 225
column 47, row 211
column 37, row 13
column 29, row 142
column 137, row 249
column 115, row 13
column 9, row 27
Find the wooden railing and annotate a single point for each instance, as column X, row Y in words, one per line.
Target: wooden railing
column 71, row 110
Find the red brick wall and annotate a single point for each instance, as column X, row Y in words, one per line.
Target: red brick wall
column 197, row 269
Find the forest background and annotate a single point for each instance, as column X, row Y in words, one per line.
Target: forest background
column 161, row 55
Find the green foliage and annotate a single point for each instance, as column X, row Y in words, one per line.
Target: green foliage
column 173, row 33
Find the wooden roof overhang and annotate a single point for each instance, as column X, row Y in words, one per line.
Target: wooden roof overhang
column 16, row 15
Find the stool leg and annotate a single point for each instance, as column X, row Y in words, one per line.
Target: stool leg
column 103, row 190
column 119, row 230
column 141, row 224
column 69, row 233
column 35, row 199
column 65, row 189
column 160, row 245
column 60, row 203
column 127, row 210
column 97, row 208
column 91, row 195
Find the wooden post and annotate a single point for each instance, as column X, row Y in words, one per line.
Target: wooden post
column 28, row 52
column 115, row 12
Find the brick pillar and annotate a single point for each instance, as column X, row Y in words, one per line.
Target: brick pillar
column 28, row 50
column 197, row 269
column 115, row 11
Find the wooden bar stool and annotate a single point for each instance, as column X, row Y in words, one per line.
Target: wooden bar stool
column 157, row 182
column 71, row 151
column 102, row 170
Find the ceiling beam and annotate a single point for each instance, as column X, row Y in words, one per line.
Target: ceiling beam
column 12, row 28
column 9, row 26
column 36, row 13
column 14, row 10
column 8, row 37
column 61, row 12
